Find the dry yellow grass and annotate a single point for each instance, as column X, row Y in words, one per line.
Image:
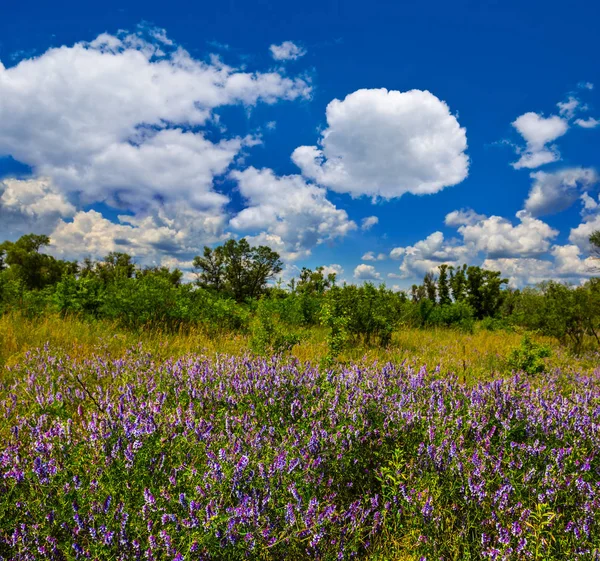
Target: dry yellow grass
column 477, row 356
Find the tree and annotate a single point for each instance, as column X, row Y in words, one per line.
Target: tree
column 238, row 268
column 595, row 241
column 172, row 276
column 458, row 283
column 210, row 268
column 115, row 266
column 34, row 269
column 417, row 292
column 430, row 288
column 314, row 282
column 443, row 287
column 484, row 291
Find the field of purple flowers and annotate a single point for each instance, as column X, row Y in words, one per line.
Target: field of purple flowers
column 246, row 458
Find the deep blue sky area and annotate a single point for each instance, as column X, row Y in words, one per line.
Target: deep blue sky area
column 490, row 61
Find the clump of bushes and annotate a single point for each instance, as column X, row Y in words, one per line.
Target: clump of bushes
column 529, row 356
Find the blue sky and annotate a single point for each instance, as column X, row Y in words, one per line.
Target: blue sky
column 468, row 129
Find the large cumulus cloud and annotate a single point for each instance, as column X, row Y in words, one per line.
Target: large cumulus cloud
column 384, row 143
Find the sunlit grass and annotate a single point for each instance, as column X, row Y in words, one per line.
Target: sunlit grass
column 472, row 356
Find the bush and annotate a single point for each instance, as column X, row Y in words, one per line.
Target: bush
column 529, row 356
column 458, row 314
column 267, row 335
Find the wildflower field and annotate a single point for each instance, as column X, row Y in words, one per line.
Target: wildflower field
column 273, row 458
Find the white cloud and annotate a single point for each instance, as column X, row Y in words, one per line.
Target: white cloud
column 397, row 252
column 429, row 254
column 370, row 256
column 368, row 222
column 580, row 235
column 497, row 237
column 120, row 120
column 295, row 214
column 586, row 85
column 589, row 203
column 589, row 123
column 334, row 268
column 567, row 108
column 554, row 192
column 520, row 271
column 31, row 205
column 494, row 237
column 569, row 264
column 287, row 51
column 366, row 272
column 538, row 132
column 465, row 217
column 564, row 262
column 387, row 143
column 175, row 230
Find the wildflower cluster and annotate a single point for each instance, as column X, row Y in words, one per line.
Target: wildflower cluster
column 238, row 458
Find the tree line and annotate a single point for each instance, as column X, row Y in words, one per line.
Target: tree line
column 236, row 288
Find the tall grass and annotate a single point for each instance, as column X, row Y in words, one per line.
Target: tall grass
column 476, row 356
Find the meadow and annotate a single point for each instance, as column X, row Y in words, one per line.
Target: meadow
column 235, row 418
column 165, row 445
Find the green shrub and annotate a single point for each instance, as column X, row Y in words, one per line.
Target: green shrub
column 529, row 356
column 267, row 335
column 337, row 334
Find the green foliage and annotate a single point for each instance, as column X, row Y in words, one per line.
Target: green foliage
column 337, row 333
column 238, row 268
column 496, row 324
column 529, row 356
column 232, row 278
column 371, row 312
column 26, row 264
column 458, row 314
column 430, row 286
column 443, row 286
column 268, row 336
column 572, row 315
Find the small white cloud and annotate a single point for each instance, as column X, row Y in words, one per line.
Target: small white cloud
column 538, row 132
column 338, row 270
column 463, row 217
column 397, row 252
column 287, row 51
column 589, row 204
column 366, row 272
column 368, row 222
column 589, row 123
column 585, row 85
column 567, row 108
column 554, row 192
column 370, row 256
column 384, row 143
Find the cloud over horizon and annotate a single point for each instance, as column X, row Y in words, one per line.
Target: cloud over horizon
column 131, row 142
